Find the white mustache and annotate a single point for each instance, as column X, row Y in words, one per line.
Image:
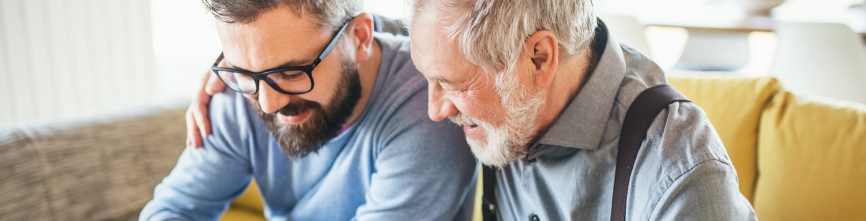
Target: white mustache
column 461, row 119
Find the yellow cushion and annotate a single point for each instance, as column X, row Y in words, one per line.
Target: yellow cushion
column 733, row 105
column 234, row 214
column 811, row 160
column 248, row 204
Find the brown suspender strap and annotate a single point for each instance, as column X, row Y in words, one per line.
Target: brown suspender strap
column 637, row 121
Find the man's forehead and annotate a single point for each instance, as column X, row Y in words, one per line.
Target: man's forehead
column 437, row 56
column 275, row 38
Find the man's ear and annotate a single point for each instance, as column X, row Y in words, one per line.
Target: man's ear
column 361, row 29
column 543, row 50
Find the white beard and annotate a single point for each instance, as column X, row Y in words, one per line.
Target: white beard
column 509, row 141
column 494, row 149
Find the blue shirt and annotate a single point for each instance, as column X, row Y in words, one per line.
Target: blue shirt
column 682, row 171
column 393, row 163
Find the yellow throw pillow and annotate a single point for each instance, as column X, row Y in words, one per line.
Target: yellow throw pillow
column 249, row 204
column 242, row 215
column 811, row 160
column 733, row 105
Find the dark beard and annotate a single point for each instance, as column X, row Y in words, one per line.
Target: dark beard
column 323, row 124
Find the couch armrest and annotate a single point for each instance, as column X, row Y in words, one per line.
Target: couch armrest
column 94, row 168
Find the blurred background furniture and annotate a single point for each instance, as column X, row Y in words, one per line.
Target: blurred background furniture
column 856, row 16
column 720, row 32
column 798, row 157
column 758, row 7
column 101, row 167
column 822, row 59
column 713, row 50
column 628, row 31
column 724, row 46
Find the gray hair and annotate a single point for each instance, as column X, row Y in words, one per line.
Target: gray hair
column 329, row 14
column 493, row 33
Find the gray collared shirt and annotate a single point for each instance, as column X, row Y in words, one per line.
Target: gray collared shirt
column 682, row 171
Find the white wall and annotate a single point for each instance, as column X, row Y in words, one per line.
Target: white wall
column 388, row 8
column 185, row 43
column 68, row 58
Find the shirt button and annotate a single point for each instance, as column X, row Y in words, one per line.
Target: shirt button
column 534, row 217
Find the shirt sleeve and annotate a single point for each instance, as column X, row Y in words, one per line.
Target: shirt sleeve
column 424, row 170
column 704, row 184
column 706, row 192
column 206, row 180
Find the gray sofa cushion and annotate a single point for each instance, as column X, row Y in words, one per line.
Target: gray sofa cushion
column 97, row 168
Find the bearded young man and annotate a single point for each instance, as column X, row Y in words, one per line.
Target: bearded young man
column 326, row 115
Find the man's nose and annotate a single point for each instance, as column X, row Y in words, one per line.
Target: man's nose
column 270, row 99
column 439, row 106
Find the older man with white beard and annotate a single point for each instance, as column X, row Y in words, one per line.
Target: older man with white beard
column 542, row 92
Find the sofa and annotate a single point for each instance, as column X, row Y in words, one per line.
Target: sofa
column 797, row 157
column 99, row 167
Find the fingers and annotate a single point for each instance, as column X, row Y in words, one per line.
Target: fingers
column 200, row 104
column 193, row 137
column 201, row 118
column 197, row 123
column 213, row 84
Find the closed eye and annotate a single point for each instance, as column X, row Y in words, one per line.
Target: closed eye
column 288, row 75
column 291, row 76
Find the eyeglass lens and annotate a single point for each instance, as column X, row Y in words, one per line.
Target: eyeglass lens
column 288, row 81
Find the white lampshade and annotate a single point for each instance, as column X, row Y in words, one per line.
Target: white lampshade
column 758, row 7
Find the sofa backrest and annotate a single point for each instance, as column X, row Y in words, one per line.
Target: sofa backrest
column 733, row 105
column 797, row 157
column 98, row 168
column 811, row 160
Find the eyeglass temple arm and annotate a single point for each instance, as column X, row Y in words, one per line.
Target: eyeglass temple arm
column 332, row 44
column 321, row 55
column 220, row 58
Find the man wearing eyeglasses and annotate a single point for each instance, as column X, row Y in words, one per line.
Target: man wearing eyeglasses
column 327, row 116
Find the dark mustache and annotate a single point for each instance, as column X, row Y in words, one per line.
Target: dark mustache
column 297, row 107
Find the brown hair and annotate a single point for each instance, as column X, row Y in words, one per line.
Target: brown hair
column 329, row 13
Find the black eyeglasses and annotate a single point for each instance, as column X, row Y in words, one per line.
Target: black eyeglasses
column 289, row 80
